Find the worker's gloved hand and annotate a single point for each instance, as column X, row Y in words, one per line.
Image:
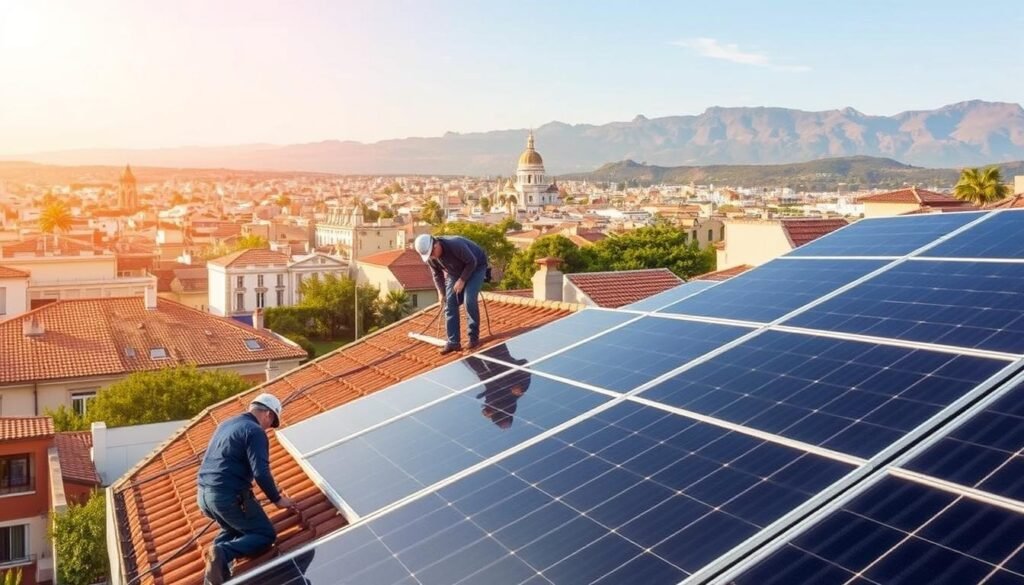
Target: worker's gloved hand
column 284, row 502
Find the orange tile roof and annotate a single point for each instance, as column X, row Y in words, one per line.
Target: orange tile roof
column 8, row 272
column 406, row 266
column 155, row 502
column 802, row 231
column 614, row 289
column 1012, row 202
column 254, row 257
column 913, row 195
column 88, row 338
column 720, row 275
column 25, row 427
column 75, row 453
column 49, row 244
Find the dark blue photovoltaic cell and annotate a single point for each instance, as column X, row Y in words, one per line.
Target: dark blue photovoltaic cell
column 902, row 533
column 670, row 296
column 557, row 335
column 634, row 495
column 639, row 352
column 390, row 462
column 965, row 304
column 889, row 236
column 770, row 291
column 852, row 397
column 996, row 237
column 984, row 452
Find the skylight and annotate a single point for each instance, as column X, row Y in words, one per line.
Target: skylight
column 254, row 345
column 158, row 353
column 129, row 352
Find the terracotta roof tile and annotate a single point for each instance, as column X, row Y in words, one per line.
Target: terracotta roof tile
column 8, row 272
column 802, row 231
column 254, row 257
column 155, row 502
column 406, row 266
column 1012, row 202
column 726, row 274
column 89, row 337
column 25, row 427
column 49, row 244
column 614, row 289
column 913, row 195
column 193, row 279
column 75, row 452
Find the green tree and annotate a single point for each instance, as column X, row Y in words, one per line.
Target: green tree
column 56, row 216
column 12, row 576
column 393, row 307
column 509, row 224
column 370, row 215
column 520, row 270
column 491, row 238
column 485, row 204
column 331, row 302
column 981, row 186
column 303, row 342
column 79, row 541
column 174, row 393
column 657, row 246
column 250, row 242
column 387, row 213
column 432, row 213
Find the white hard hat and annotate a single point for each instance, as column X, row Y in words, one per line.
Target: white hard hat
column 424, row 244
column 270, row 401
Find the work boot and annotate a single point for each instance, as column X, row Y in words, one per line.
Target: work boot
column 473, row 344
column 450, row 347
column 215, row 566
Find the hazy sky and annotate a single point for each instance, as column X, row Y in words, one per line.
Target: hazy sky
column 107, row 73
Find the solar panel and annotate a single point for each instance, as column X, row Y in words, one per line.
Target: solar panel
column 390, row 462
column 633, row 495
column 557, row 335
column 852, row 397
column 996, row 237
column 774, row 289
column 901, row 532
column 965, row 304
column 670, row 296
column 629, row 356
column 890, row 236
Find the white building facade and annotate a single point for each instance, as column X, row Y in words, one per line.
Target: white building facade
column 245, row 281
column 534, row 188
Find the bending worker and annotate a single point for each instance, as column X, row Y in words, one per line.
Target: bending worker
column 459, row 267
column 238, row 452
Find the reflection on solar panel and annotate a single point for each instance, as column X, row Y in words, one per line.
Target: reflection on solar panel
column 900, row 532
column 996, row 237
column 665, row 448
column 670, row 296
column 965, row 304
column 890, row 236
column 774, row 289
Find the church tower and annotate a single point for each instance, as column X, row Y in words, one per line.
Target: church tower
column 535, row 191
column 128, row 192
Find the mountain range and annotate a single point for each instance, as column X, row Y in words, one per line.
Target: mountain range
column 967, row 133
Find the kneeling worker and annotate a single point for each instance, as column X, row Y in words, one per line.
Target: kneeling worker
column 237, row 453
column 464, row 263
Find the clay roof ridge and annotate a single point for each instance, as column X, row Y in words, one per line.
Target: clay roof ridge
column 632, row 271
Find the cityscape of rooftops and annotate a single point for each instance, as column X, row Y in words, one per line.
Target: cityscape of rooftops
column 552, row 293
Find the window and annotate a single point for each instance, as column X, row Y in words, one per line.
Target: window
column 240, row 282
column 158, row 353
column 129, row 352
column 240, row 302
column 721, row 233
column 15, row 474
column 280, row 298
column 3, row 300
column 261, row 300
column 415, row 300
column 253, row 345
column 13, row 543
column 280, row 280
column 711, row 235
column 259, row 280
column 80, row 401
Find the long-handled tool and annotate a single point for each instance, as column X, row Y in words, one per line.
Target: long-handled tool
column 438, row 341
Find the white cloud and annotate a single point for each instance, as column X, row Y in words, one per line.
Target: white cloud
column 713, row 49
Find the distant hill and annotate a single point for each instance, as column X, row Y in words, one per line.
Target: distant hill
column 966, row 133
column 28, row 172
column 855, row 172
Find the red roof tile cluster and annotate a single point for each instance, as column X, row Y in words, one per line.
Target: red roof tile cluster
column 93, row 337
column 406, row 266
column 75, row 453
column 193, row 279
column 155, row 502
column 8, row 272
column 720, row 275
column 615, row 289
column 252, row 257
column 802, row 231
column 1013, row 202
column 49, row 244
column 914, row 195
column 25, row 427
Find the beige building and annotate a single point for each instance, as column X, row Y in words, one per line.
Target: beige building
column 13, row 292
column 911, row 200
column 353, row 238
column 756, row 241
column 63, row 353
column 1018, row 184
column 399, row 270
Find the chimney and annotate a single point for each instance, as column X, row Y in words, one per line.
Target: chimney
column 257, row 319
column 150, row 298
column 547, row 282
column 270, row 370
column 32, row 327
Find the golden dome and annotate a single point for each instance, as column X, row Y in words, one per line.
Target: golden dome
column 530, row 157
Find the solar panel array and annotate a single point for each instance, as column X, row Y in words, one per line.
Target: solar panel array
column 843, row 414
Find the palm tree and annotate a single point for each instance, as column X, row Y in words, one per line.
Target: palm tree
column 394, row 306
column 55, row 217
column 432, row 213
column 981, row 187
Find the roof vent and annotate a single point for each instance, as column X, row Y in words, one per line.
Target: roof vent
column 33, row 327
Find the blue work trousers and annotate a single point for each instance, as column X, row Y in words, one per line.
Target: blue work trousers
column 245, row 529
column 451, row 309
